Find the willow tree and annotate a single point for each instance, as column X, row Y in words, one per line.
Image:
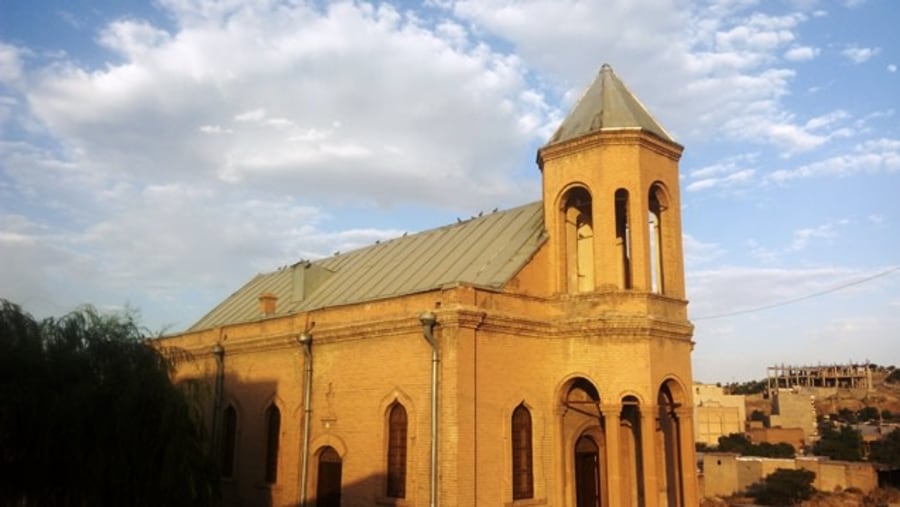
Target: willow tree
column 89, row 416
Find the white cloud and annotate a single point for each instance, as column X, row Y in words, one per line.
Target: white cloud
column 215, row 129
column 252, row 115
column 736, row 178
column 734, row 289
column 351, row 64
column 892, row 68
column 802, row 237
column 801, row 53
column 859, row 55
column 10, row 63
column 826, row 119
column 697, row 252
column 723, row 56
column 133, row 39
column 230, row 142
column 872, row 156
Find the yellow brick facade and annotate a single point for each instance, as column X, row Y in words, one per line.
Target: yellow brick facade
column 602, row 369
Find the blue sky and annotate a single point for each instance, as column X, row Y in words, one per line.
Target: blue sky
column 158, row 154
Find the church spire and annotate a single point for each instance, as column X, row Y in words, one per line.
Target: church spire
column 607, row 105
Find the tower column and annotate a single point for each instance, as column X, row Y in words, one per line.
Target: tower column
column 606, row 261
column 640, row 240
column 611, row 416
column 648, row 448
column 690, row 495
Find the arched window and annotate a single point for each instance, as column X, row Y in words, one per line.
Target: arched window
column 623, row 238
column 579, row 234
column 273, row 430
column 522, row 466
column 396, row 473
column 229, row 441
column 657, row 207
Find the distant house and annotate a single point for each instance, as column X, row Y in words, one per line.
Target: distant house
column 717, row 414
column 534, row 356
column 725, row 474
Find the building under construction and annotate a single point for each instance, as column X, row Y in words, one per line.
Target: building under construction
column 850, row 376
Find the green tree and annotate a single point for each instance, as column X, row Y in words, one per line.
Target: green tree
column 846, row 415
column 89, row 416
column 867, row 413
column 749, row 387
column 784, row 487
column 893, row 377
column 735, row 442
column 887, row 450
column 759, row 415
column 740, row 444
column 767, row 450
column 844, row 444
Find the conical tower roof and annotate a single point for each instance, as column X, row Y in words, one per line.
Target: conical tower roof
column 607, row 105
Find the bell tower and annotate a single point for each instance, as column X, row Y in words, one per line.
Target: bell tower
column 611, row 199
column 614, row 259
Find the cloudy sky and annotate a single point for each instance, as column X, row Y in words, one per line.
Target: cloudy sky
column 157, row 154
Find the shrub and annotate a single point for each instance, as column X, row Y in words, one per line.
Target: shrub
column 784, row 487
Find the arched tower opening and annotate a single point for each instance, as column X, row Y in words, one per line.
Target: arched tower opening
column 631, row 449
column 623, row 239
column 668, row 443
column 658, row 206
column 578, row 220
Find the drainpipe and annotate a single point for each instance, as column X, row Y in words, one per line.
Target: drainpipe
column 428, row 321
column 305, row 341
column 219, row 352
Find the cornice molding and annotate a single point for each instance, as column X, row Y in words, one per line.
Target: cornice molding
column 611, row 137
column 599, row 325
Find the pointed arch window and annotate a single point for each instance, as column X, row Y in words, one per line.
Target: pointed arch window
column 229, row 441
column 522, row 464
column 396, row 473
column 273, row 431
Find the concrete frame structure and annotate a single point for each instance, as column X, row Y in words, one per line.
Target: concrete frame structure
column 848, row 376
column 567, row 384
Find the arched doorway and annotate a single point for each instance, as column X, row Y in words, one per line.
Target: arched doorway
column 583, row 429
column 328, row 485
column 587, row 472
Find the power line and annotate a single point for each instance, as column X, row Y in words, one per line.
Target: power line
column 801, row 298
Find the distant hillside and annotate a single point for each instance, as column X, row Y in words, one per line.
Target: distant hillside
column 882, row 395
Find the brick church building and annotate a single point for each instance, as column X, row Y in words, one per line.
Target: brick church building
column 534, row 356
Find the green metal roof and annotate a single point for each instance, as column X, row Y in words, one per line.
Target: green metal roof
column 486, row 251
column 607, row 105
